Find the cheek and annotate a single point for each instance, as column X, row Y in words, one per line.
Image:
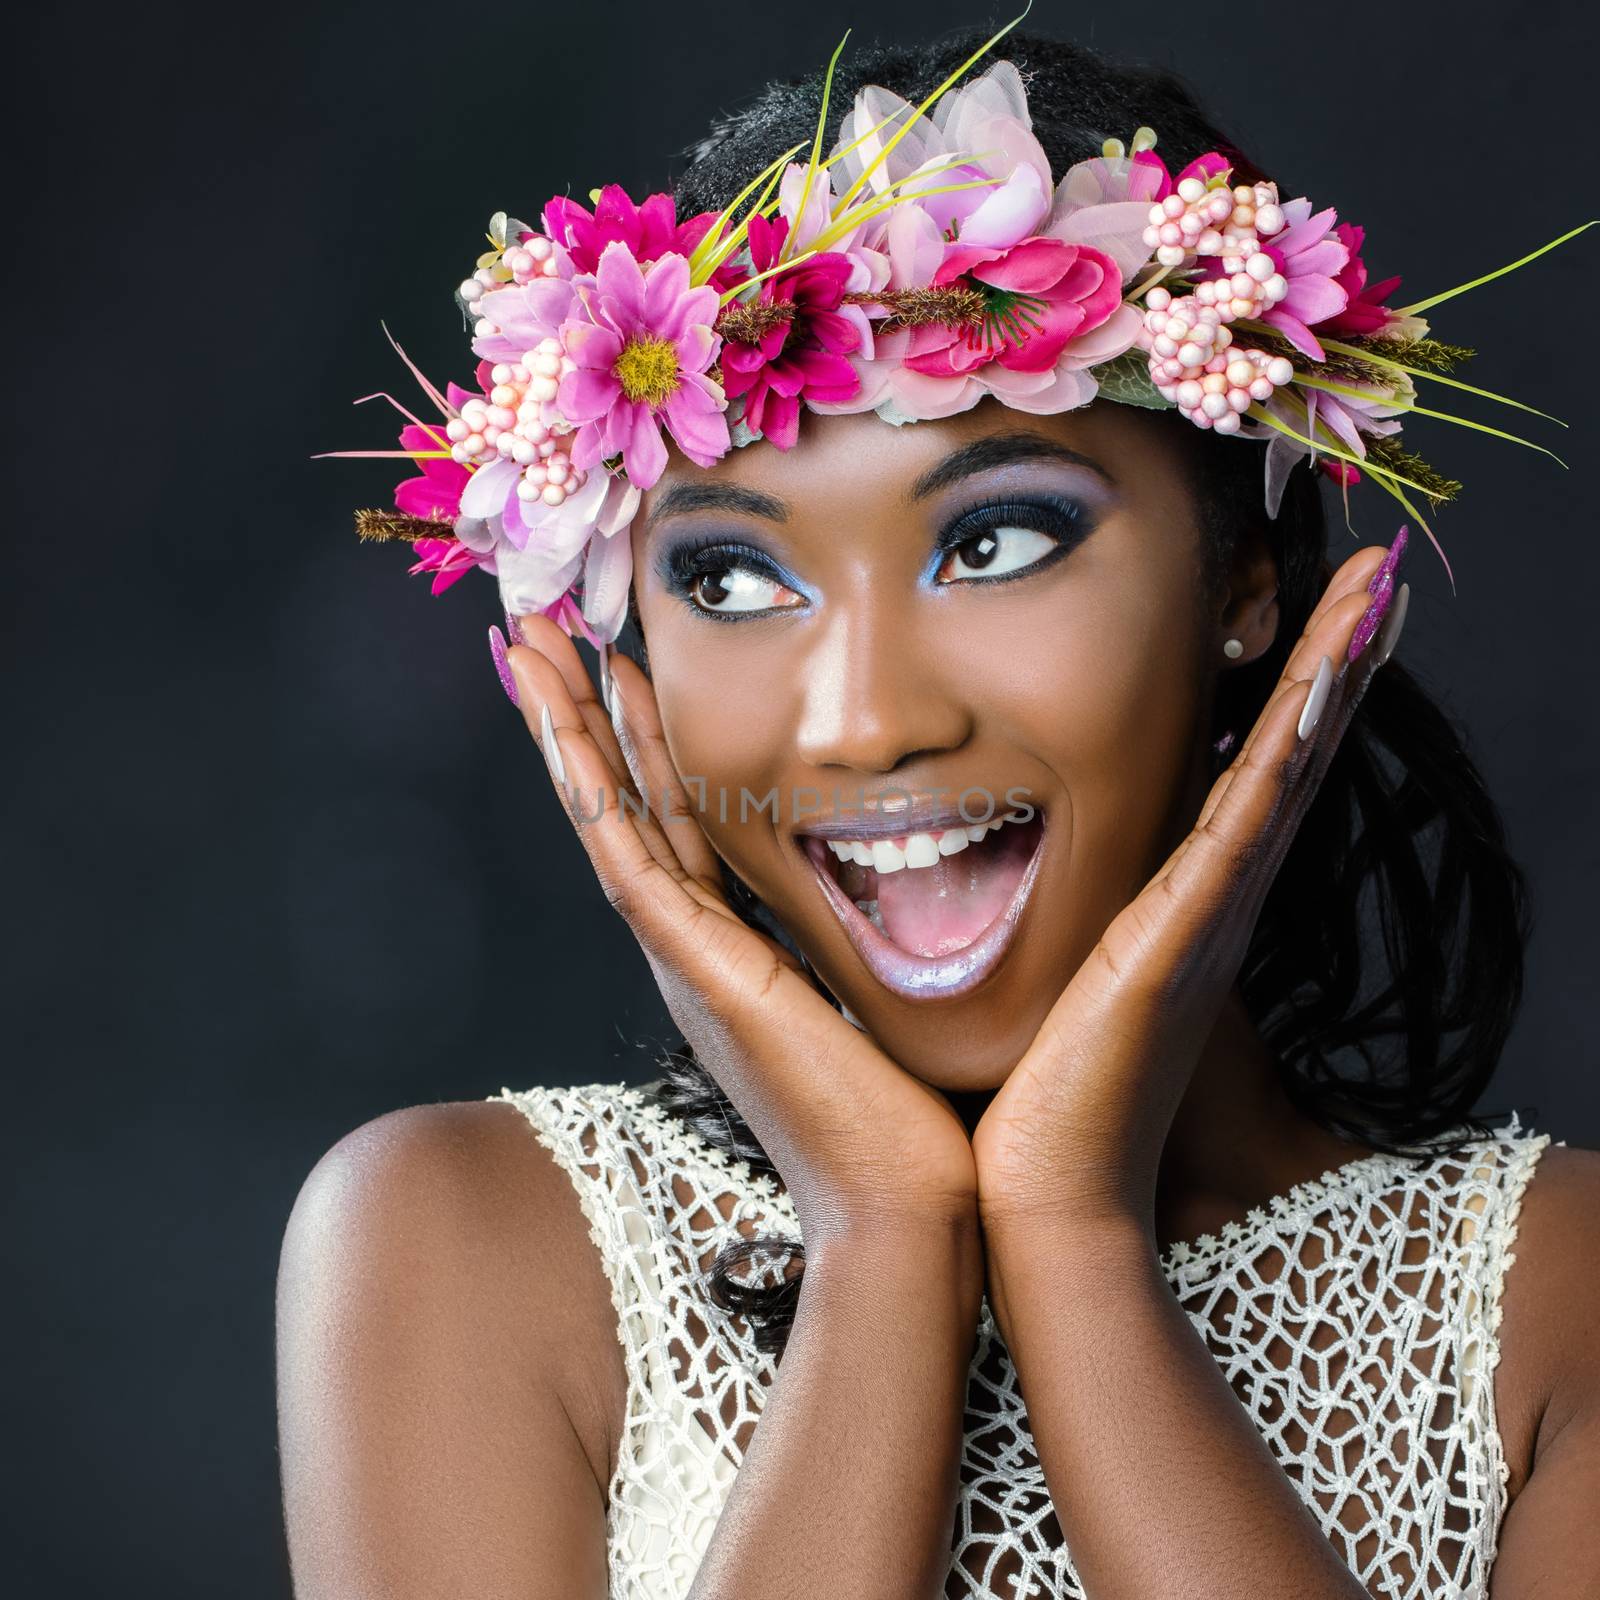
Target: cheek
column 723, row 712
column 1109, row 696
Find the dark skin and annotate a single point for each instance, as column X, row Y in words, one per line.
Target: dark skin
column 1100, row 1093
column 864, row 689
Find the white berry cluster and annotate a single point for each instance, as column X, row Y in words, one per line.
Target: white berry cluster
column 514, row 423
column 1193, row 359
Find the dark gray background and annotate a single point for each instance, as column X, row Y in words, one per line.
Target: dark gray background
column 280, row 856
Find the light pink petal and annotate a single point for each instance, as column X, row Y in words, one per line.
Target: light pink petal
column 914, row 247
column 643, row 454
column 666, row 285
column 487, row 488
column 1312, row 300
column 1295, row 331
column 696, row 346
column 591, row 346
column 1114, row 229
column 1327, row 257
column 914, row 394
column 698, row 424
column 586, row 394
column 587, row 448
column 1119, row 332
column 1061, row 390
column 1009, row 214
column 621, row 504
column 621, row 284
column 607, row 572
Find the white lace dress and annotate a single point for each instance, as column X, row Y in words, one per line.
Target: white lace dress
column 1355, row 1317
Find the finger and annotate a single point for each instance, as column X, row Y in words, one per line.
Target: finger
column 1327, row 634
column 1253, row 810
column 638, row 726
column 637, row 866
column 556, row 645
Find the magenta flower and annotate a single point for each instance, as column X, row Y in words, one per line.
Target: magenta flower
column 449, row 561
column 1364, row 310
column 1039, row 295
column 648, row 230
column 803, row 358
column 1312, row 262
column 1205, row 168
column 436, row 495
column 642, row 340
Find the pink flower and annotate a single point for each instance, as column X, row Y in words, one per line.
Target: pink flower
column 803, row 358
column 449, row 561
column 1364, row 310
column 642, row 340
column 1205, row 168
column 436, row 495
column 1039, row 294
column 648, row 230
column 1312, row 262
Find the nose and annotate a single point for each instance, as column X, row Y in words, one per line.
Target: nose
column 875, row 696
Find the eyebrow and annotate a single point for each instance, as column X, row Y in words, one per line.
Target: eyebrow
column 999, row 450
column 683, row 499
column 982, row 455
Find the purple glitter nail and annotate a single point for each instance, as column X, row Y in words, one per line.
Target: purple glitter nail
column 1391, row 560
column 497, row 649
column 1372, row 617
column 514, row 630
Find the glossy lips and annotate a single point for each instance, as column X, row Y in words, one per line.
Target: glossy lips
column 954, row 971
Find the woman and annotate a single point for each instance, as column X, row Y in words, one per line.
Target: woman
column 1085, row 937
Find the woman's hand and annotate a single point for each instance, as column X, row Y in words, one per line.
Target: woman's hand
column 1078, row 1128
column 860, row 1144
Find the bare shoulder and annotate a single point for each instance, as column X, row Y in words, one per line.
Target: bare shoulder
column 1550, row 1330
column 448, row 1352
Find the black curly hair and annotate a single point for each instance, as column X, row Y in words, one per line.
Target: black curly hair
column 1387, row 965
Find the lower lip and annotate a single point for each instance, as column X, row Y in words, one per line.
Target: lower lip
column 915, row 977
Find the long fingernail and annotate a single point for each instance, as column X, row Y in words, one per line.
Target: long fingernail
column 1391, row 560
column 1382, row 593
column 616, row 706
column 605, row 676
column 497, row 649
column 1317, row 698
column 514, row 629
column 552, row 750
column 1389, row 634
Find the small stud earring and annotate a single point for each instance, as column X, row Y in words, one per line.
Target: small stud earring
column 1232, row 648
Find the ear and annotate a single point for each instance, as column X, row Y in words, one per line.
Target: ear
column 1249, row 611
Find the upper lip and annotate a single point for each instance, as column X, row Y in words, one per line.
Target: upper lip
column 921, row 816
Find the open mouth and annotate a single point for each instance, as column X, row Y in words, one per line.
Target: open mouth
column 931, row 913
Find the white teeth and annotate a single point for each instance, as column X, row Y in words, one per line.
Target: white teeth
column 919, row 850
column 887, row 856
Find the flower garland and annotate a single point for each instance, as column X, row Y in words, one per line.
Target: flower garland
column 932, row 259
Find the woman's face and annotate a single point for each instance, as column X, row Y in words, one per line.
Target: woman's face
column 886, row 635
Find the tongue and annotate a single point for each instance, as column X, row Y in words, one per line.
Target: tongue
column 931, row 911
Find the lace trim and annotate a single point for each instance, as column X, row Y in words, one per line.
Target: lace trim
column 1382, row 1248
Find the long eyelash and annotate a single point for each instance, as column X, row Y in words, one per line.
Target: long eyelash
column 680, row 564
column 1060, row 516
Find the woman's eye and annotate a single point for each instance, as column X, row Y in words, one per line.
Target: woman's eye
column 739, row 589
column 996, row 551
